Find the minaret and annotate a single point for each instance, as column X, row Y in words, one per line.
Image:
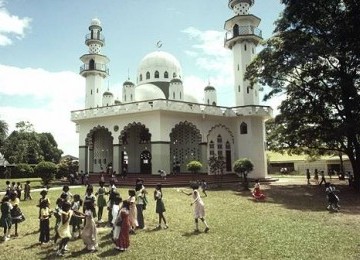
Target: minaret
column 210, row 95
column 242, row 37
column 95, row 68
column 128, row 92
column 176, row 89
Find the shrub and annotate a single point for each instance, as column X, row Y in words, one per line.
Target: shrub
column 22, row 170
column 243, row 166
column 46, row 171
column 194, row 166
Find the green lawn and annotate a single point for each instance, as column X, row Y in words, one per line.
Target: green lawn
column 34, row 182
column 292, row 224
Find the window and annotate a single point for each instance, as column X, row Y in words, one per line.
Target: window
column 208, row 101
column 156, row 75
column 140, row 77
column 166, row 75
column 245, row 47
column 90, row 92
column 243, row 128
column 131, row 97
column 174, row 75
column 92, row 64
column 238, row 67
column 173, row 95
column 239, row 88
column 248, row 90
column 125, row 98
column 180, row 95
column 147, row 75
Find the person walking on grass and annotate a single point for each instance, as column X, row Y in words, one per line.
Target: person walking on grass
column 5, row 220
column 316, row 176
column 16, row 214
column 199, row 207
column 308, row 176
column 27, row 191
column 123, row 220
column 322, row 178
column 101, row 201
column 160, row 207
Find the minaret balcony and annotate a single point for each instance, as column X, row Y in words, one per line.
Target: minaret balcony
column 243, row 33
column 98, row 38
column 99, row 67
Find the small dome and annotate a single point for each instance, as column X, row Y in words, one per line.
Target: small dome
column 117, row 102
column 148, row 92
column 128, row 82
column 176, row 80
column 209, row 88
column 107, row 93
column 95, row 21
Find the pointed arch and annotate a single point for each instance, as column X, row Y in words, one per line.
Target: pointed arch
column 224, row 127
column 243, row 128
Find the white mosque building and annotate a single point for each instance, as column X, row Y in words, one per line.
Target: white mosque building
column 156, row 124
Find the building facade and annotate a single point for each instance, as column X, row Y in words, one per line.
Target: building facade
column 157, row 125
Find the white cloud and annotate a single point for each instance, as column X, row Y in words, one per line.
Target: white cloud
column 11, row 26
column 57, row 94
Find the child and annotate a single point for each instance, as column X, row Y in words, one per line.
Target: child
column 123, row 242
column 75, row 221
column 89, row 234
column 64, row 228
column 160, row 208
column 27, row 190
column 112, row 195
column 5, row 220
column 57, row 214
column 204, row 187
column 132, row 211
column 115, row 213
column 8, row 188
column 45, row 214
column 199, row 209
column 89, row 196
column 101, row 202
column 16, row 214
column 140, row 203
column 19, row 190
column 44, row 197
column 333, row 199
column 66, row 192
column 257, row 193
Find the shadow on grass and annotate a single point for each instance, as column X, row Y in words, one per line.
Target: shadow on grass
column 109, row 253
column 306, row 197
column 193, row 233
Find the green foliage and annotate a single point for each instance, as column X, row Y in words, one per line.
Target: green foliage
column 3, row 131
column 313, row 60
column 46, row 171
column 66, row 167
column 243, row 166
column 194, row 166
column 24, row 145
column 22, row 170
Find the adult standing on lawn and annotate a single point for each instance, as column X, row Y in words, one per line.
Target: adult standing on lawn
column 316, row 176
column 199, row 207
column 308, row 176
column 322, row 178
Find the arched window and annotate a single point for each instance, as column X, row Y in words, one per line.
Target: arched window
column 227, row 146
column 91, row 64
column 236, row 30
column 248, row 90
column 243, row 128
column 219, row 145
column 166, row 75
column 180, row 95
column 212, row 149
column 245, row 47
column 174, row 75
column 131, row 97
column 173, row 95
column 125, row 98
column 208, row 102
column 147, row 75
column 214, row 103
column 239, row 88
column 140, row 77
column 156, row 75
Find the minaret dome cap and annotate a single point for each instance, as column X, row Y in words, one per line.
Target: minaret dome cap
column 232, row 3
column 95, row 21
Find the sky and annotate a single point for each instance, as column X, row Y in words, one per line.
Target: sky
column 41, row 42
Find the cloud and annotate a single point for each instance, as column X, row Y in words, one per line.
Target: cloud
column 50, row 98
column 11, row 26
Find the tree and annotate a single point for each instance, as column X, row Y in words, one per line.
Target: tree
column 66, row 167
column 313, row 59
column 24, row 145
column 243, row 167
column 46, row 171
column 3, row 131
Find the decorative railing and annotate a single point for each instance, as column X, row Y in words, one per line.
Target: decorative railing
column 94, row 37
column 243, row 31
column 95, row 66
column 171, row 105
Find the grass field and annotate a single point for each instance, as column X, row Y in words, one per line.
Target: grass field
column 291, row 224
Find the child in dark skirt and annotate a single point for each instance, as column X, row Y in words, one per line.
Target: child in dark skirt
column 160, row 207
column 75, row 221
column 5, row 220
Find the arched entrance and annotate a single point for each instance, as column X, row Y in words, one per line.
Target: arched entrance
column 135, row 139
column 145, row 162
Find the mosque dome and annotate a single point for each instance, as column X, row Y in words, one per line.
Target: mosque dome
column 107, row 93
column 148, row 92
column 128, row 83
column 209, row 88
column 158, row 66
